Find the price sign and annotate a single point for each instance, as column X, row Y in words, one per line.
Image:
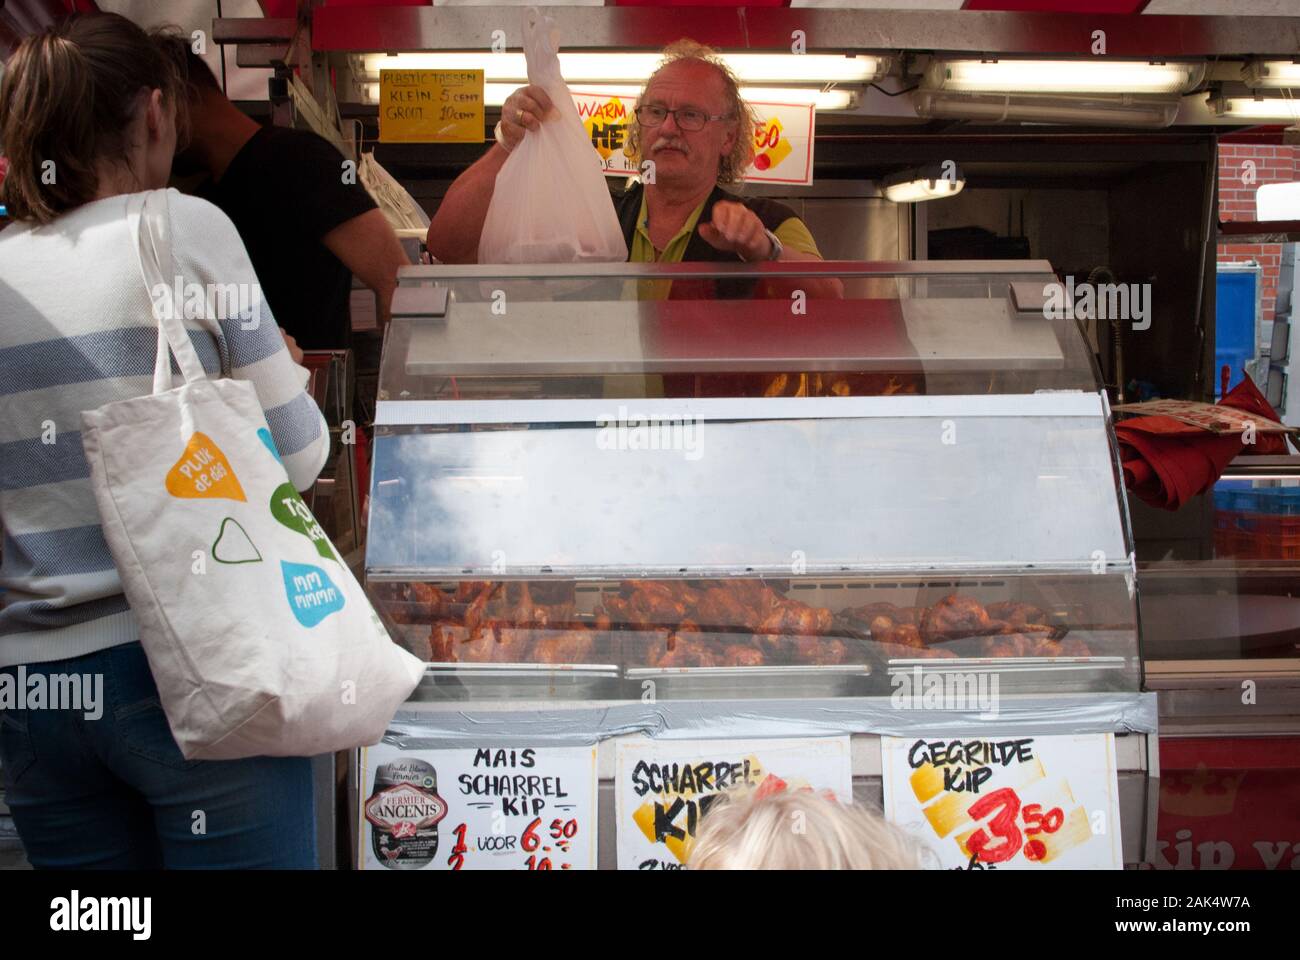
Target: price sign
column 431, row 106
column 606, row 120
column 478, row 809
column 783, row 137
column 783, row 144
column 663, row 788
column 1021, row 803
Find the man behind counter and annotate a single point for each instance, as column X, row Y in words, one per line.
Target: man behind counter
column 693, row 124
column 306, row 230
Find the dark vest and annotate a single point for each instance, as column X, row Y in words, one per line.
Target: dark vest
column 770, row 212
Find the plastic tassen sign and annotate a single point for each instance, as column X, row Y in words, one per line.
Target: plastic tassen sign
column 431, row 106
column 1019, row 803
column 783, row 138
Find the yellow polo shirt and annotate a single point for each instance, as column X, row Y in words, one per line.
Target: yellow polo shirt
column 791, row 232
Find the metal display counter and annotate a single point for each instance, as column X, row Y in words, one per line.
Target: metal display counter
column 684, row 501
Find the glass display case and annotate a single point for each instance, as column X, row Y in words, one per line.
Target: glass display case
column 752, row 481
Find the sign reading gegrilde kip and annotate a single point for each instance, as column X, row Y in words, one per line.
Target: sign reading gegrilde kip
column 663, row 788
column 1001, row 803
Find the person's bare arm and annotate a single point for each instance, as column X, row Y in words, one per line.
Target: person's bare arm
column 736, row 228
column 369, row 247
column 457, row 226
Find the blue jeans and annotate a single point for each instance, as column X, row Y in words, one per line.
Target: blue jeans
column 115, row 792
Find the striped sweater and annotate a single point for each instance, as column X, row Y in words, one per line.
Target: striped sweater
column 77, row 332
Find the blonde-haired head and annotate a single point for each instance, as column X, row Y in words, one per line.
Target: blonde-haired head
column 797, row 830
column 732, row 167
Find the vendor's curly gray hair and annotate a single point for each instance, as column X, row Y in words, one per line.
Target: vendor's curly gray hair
column 731, row 168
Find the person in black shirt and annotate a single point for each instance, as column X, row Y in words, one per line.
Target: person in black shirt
column 307, row 229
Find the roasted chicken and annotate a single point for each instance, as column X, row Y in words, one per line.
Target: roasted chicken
column 731, row 623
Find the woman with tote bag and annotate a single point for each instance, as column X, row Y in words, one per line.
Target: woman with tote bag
column 93, row 773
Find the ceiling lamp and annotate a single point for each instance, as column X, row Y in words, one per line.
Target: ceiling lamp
column 1275, row 109
column 810, row 69
column 1270, row 74
column 931, row 182
column 1083, row 111
column 1062, row 76
column 494, row 94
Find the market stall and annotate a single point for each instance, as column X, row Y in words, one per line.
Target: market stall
column 780, row 537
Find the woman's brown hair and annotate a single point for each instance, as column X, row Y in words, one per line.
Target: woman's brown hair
column 68, row 97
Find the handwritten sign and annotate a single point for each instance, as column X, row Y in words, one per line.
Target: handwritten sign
column 607, row 120
column 783, row 138
column 431, row 106
column 664, row 787
column 531, row 808
column 783, row 144
column 1010, row 803
column 1208, row 416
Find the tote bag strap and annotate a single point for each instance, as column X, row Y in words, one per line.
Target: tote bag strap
column 149, row 220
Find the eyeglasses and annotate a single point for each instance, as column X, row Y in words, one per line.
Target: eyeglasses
column 688, row 118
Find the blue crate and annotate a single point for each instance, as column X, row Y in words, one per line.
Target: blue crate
column 1234, row 323
column 1239, row 496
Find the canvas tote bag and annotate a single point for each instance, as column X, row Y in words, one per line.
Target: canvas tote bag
column 260, row 639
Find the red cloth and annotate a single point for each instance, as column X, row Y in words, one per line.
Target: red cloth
column 1246, row 396
column 1166, row 462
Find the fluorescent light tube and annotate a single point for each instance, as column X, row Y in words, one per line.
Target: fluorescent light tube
column 993, row 108
column 1062, row 76
column 1247, row 108
column 495, row 94
column 762, row 68
column 1267, row 74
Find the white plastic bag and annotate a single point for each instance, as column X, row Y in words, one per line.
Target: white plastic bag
column 551, row 204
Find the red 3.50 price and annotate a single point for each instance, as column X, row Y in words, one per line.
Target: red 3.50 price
column 1003, row 837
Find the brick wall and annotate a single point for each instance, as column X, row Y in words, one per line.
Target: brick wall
column 1273, row 164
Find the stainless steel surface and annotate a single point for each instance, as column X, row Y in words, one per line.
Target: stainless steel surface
column 589, row 411
column 491, row 503
column 609, row 337
column 1028, row 674
column 443, row 272
column 419, row 301
column 514, row 681
column 394, row 29
column 1008, row 665
column 708, row 683
column 253, row 29
column 1226, row 698
column 1264, row 468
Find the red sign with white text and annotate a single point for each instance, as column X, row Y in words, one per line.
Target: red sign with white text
column 1229, row 803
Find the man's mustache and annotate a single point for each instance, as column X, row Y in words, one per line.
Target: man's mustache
column 670, row 143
